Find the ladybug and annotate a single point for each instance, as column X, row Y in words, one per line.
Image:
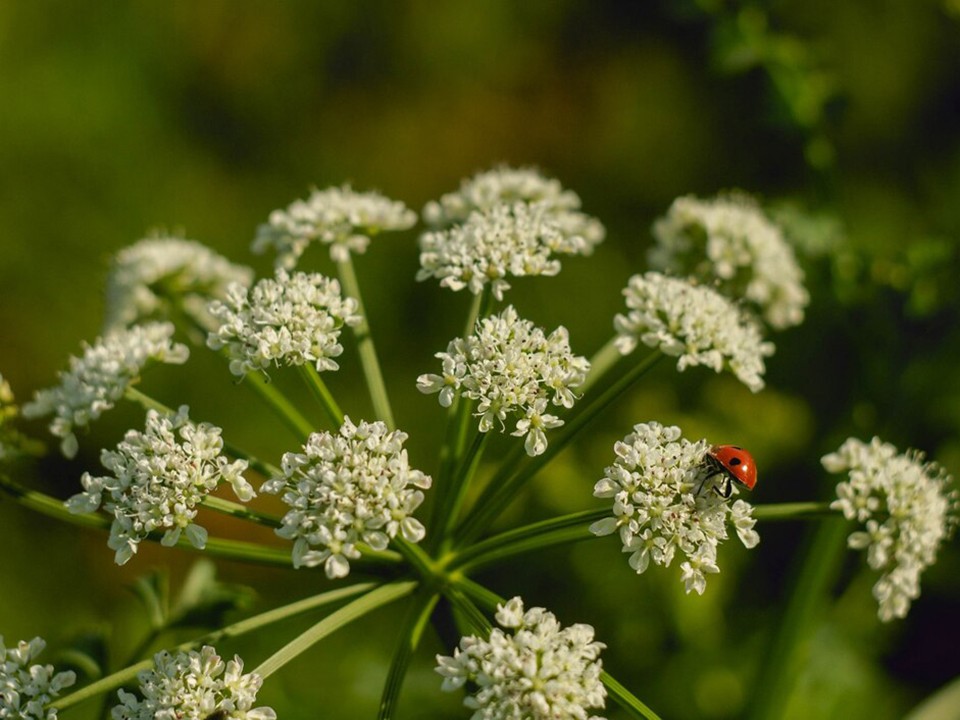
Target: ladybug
column 735, row 465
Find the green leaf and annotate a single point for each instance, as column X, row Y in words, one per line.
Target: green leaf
column 410, row 634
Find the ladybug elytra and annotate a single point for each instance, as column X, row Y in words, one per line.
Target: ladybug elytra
column 735, row 465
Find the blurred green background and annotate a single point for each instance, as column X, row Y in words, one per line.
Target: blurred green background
column 202, row 117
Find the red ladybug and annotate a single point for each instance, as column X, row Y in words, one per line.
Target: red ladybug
column 735, row 464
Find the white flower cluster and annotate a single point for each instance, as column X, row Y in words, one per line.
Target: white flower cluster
column 353, row 487
column 26, row 689
column 693, row 323
column 729, row 240
column 196, row 685
column 660, row 505
column 292, row 318
column 512, row 368
column 158, row 480
column 906, row 511
column 540, row 671
column 155, row 275
column 97, row 380
column 339, row 217
column 508, row 186
column 505, row 223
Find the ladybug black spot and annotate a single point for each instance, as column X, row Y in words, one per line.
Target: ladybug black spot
column 735, row 461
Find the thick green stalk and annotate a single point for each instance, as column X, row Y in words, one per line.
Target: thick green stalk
column 547, row 533
column 512, row 476
column 238, row 510
column 284, row 409
column 461, row 482
column 793, row 511
column 808, row 597
column 410, row 633
column 348, row 613
column 457, row 429
column 322, row 393
column 121, row 677
column 365, row 347
column 601, row 363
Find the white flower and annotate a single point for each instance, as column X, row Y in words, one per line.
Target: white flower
column 693, row 323
column 663, row 502
column 196, row 685
column 729, row 241
column 906, row 510
column 506, row 241
column 159, row 476
column 339, row 217
column 155, row 276
column 295, row 319
column 506, row 223
column 512, row 369
column 26, row 689
column 535, row 671
column 572, row 232
column 352, row 487
column 97, row 380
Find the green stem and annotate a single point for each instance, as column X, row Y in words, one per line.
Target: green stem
column 238, row 510
column 504, row 485
column 284, row 409
column 358, row 608
column 461, row 482
column 459, row 416
column 365, row 347
column 547, row 533
column 480, row 307
column 147, row 402
column 220, row 547
column 626, row 699
column 601, row 362
column 320, row 391
column 410, row 633
column 779, row 670
column 121, row 677
column 794, row 511
column 415, row 555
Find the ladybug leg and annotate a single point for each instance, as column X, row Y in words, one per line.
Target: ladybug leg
column 725, row 488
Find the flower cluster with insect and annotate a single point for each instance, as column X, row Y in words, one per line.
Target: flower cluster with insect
column 722, row 277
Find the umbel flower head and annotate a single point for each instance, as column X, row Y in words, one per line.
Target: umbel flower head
column 294, row 319
column 352, row 487
column 158, row 478
column 906, row 510
column 663, row 502
column 505, row 241
column 512, row 368
column 571, row 231
column 729, row 241
column 536, row 670
column 157, row 275
column 339, row 217
column 25, row 689
column 97, row 380
column 693, row 323
column 196, row 685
